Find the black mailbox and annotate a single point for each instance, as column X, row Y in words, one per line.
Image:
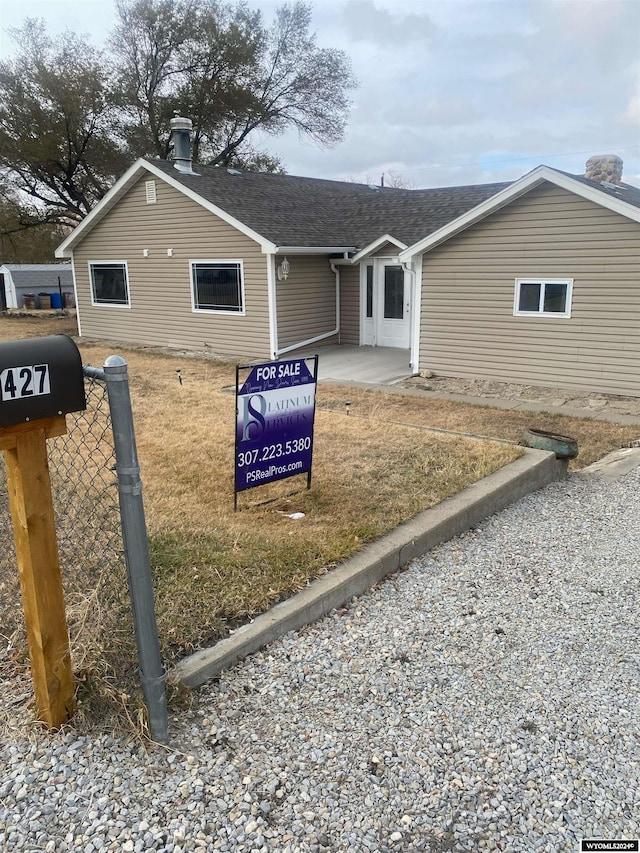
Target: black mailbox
column 40, row 378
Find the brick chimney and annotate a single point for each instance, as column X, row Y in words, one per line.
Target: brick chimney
column 604, row 167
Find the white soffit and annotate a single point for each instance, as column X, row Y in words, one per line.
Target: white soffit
column 313, row 250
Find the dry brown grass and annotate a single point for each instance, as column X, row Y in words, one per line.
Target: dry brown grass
column 595, row 438
column 215, row 568
column 13, row 328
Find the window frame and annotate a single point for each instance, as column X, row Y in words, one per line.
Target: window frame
column 101, row 304
column 543, row 281
column 368, row 291
column 230, row 313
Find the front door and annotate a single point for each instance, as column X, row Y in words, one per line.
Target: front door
column 393, row 307
column 386, row 305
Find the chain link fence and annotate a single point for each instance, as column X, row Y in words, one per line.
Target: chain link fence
column 82, row 466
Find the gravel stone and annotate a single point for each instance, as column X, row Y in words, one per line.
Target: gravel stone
column 485, row 698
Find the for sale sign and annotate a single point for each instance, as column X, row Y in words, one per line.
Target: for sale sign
column 275, row 410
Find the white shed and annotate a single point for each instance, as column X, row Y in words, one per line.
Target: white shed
column 18, row 280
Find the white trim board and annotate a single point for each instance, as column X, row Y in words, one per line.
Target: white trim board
column 519, row 188
column 124, row 183
column 372, row 247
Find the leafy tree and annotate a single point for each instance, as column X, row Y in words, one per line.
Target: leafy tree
column 24, row 238
column 232, row 75
column 71, row 121
column 55, row 114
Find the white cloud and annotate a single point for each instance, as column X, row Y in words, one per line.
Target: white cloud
column 366, row 20
column 455, row 91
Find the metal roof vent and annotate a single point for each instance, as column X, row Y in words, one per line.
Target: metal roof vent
column 234, row 172
column 181, row 144
column 373, row 187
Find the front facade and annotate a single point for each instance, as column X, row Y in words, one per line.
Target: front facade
column 535, row 282
column 145, row 273
column 159, row 268
column 545, row 291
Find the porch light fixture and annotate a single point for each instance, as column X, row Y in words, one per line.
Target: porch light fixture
column 283, row 270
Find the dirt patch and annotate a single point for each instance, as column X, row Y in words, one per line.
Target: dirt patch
column 545, row 396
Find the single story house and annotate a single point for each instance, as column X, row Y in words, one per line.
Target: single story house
column 20, row 280
column 534, row 281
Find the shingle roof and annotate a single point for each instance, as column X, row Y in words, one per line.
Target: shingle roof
column 624, row 192
column 66, row 265
column 40, row 275
column 294, row 211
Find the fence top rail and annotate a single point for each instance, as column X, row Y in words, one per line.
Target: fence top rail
column 94, row 373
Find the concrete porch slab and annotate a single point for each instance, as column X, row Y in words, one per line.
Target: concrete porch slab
column 366, row 365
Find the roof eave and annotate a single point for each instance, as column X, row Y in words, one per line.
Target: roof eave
column 519, row 188
column 376, row 244
column 313, row 250
column 124, row 183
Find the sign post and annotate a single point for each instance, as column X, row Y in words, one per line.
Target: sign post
column 40, row 381
column 275, row 413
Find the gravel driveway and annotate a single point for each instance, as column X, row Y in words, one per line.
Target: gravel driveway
column 484, row 699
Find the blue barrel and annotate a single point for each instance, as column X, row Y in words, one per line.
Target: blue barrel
column 56, row 301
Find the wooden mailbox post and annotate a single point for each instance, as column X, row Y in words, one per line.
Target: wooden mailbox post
column 41, row 381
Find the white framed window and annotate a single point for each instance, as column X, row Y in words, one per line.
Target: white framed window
column 218, row 286
column 109, row 283
column 369, row 292
column 543, row 297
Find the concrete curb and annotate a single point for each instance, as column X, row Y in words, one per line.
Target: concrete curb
column 530, row 472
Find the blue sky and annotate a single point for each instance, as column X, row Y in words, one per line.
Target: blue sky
column 452, row 91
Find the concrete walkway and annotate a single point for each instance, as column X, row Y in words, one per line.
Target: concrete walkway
column 603, row 414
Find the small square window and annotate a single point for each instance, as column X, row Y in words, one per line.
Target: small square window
column 217, row 286
column 109, row 283
column 550, row 297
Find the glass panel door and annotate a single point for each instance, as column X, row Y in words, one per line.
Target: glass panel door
column 393, row 293
column 393, row 313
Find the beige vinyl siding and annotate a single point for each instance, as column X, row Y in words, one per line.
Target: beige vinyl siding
column 306, row 301
column 160, row 286
column 467, row 324
column 388, row 250
column 350, row 305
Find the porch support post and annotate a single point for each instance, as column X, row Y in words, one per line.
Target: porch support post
column 336, row 271
column 273, row 307
column 414, row 269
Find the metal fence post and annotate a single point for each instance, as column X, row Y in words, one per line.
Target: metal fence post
column 134, row 534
